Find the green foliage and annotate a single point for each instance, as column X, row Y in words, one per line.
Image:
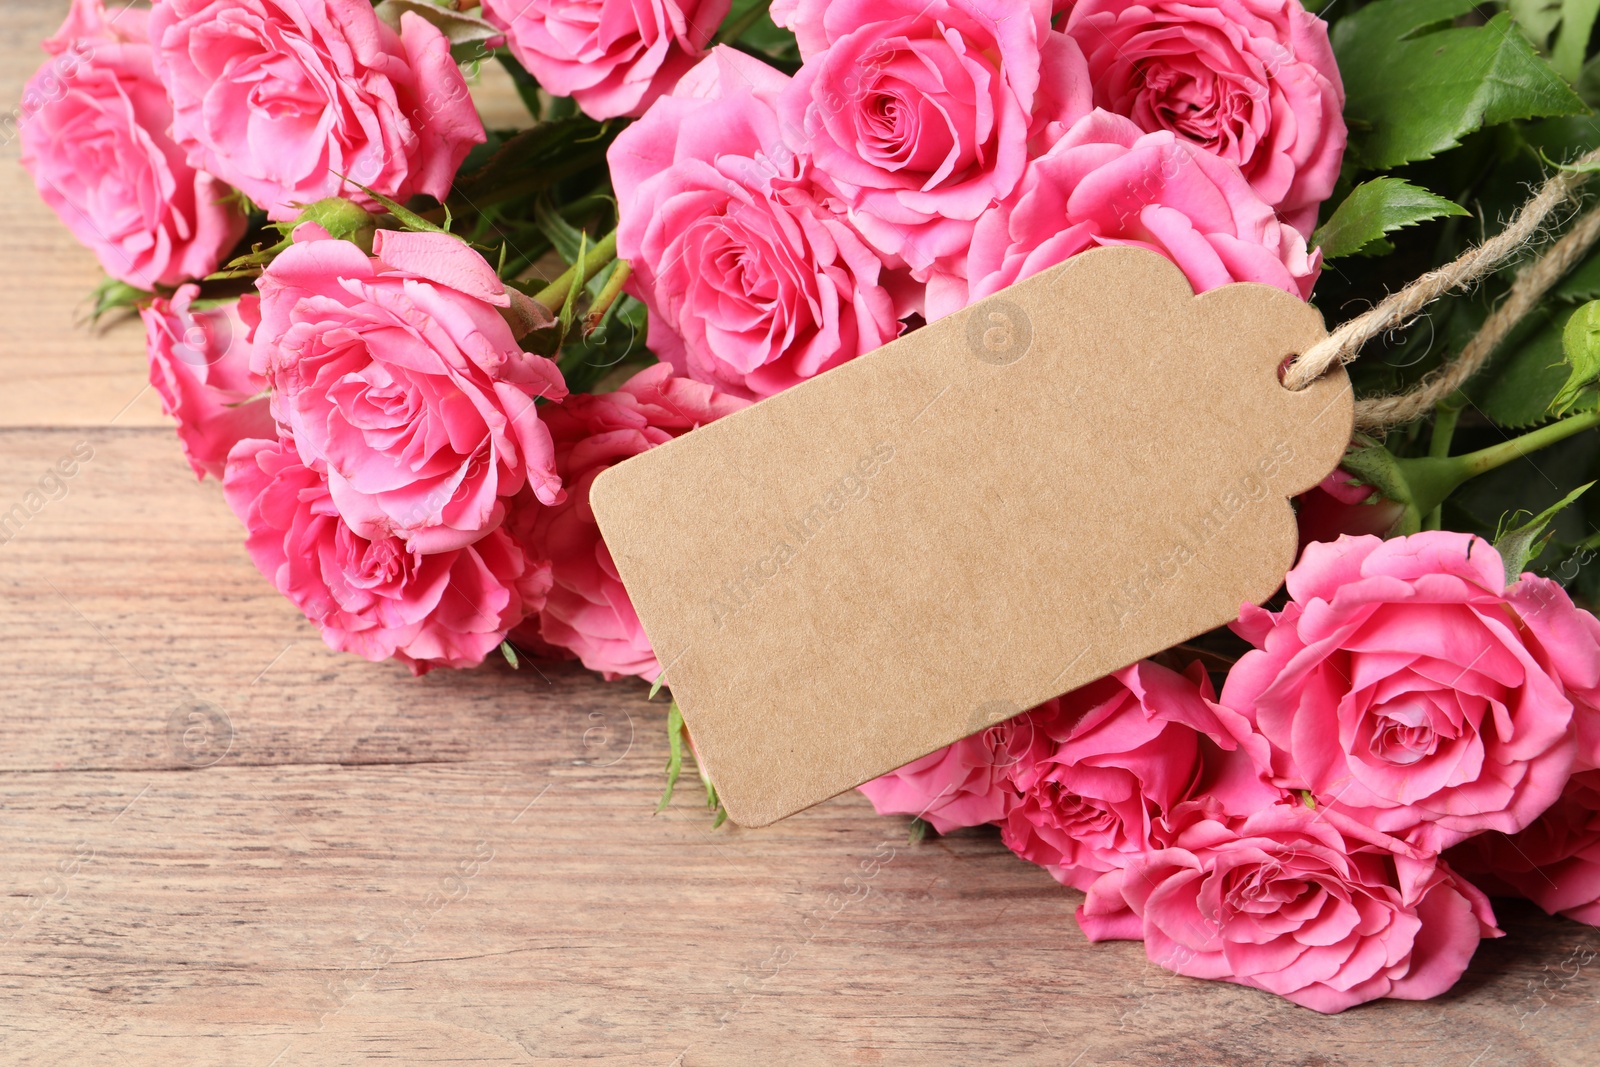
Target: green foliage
column 569, row 307
column 1530, row 485
column 112, row 295
column 1376, row 466
column 537, row 160
column 408, row 219
column 1520, row 546
column 1417, row 84
column 468, row 34
column 677, row 743
column 344, row 220
column 1537, row 19
column 1559, row 27
column 1518, row 390
column 1580, row 343
column 1376, row 208
column 1582, row 284
column 568, row 241
column 749, row 27
column 675, row 736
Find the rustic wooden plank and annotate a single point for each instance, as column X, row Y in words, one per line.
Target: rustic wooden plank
column 222, row 843
column 167, row 898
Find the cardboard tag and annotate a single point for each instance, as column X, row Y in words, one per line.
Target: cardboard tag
column 1085, row 469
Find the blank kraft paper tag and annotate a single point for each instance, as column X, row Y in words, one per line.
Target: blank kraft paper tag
column 1078, row 472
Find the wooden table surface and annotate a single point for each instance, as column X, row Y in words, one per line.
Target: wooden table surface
column 221, row 843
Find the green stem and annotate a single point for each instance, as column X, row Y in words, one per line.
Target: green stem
column 1428, row 480
column 1445, row 419
column 733, row 30
column 554, row 295
column 1488, row 459
column 1446, row 416
column 608, row 294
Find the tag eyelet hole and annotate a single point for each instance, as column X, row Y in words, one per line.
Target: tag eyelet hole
column 1283, row 369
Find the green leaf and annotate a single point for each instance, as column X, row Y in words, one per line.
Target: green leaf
column 1378, row 207
column 251, row 263
column 344, row 220
column 112, row 295
column 1582, row 284
column 564, row 237
column 1589, row 81
column 1519, row 387
column 569, row 307
column 1580, row 341
column 1377, row 467
column 677, row 738
column 1521, row 546
column 919, row 830
column 510, row 654
column 1420, row 483
column 535, row 159
column 749, row 27
column 1417, row 84
column 467, row 34
column 1572, row 43
column 674, row 754
column 742, row 17
column 1539, row 19
column 408, row 219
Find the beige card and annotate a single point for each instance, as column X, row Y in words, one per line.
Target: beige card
column 1083, row 470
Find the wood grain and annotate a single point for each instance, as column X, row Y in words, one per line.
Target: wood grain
column 221, row 843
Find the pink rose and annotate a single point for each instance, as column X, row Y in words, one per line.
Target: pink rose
column 1341, row 505
column 588, row 612
column 614, row 57
column 923, row 113
column 200, row 367
column 1251, row 81
column 283, row 97
column 1554, row 862
column 1570, row 639
column 1122, row 755
column 377, row 597
column 751, row 284
column 1405, row 685
column 1305, row 904
column 970, row 782
column 397, row 374
column 1079, row 784
column 1108, row 183
column 94, row 138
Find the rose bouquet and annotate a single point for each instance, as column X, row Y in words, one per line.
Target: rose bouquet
column 407, row 345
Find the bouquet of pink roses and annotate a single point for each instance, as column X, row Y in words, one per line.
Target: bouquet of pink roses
column 407, row 345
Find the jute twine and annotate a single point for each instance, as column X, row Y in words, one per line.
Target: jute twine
column 1399, row 309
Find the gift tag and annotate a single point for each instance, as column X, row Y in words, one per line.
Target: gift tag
column 1080, row 471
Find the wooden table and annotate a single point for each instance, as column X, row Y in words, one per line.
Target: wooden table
column 223, row 844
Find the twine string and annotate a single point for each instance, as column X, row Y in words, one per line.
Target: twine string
column 1399, row 309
